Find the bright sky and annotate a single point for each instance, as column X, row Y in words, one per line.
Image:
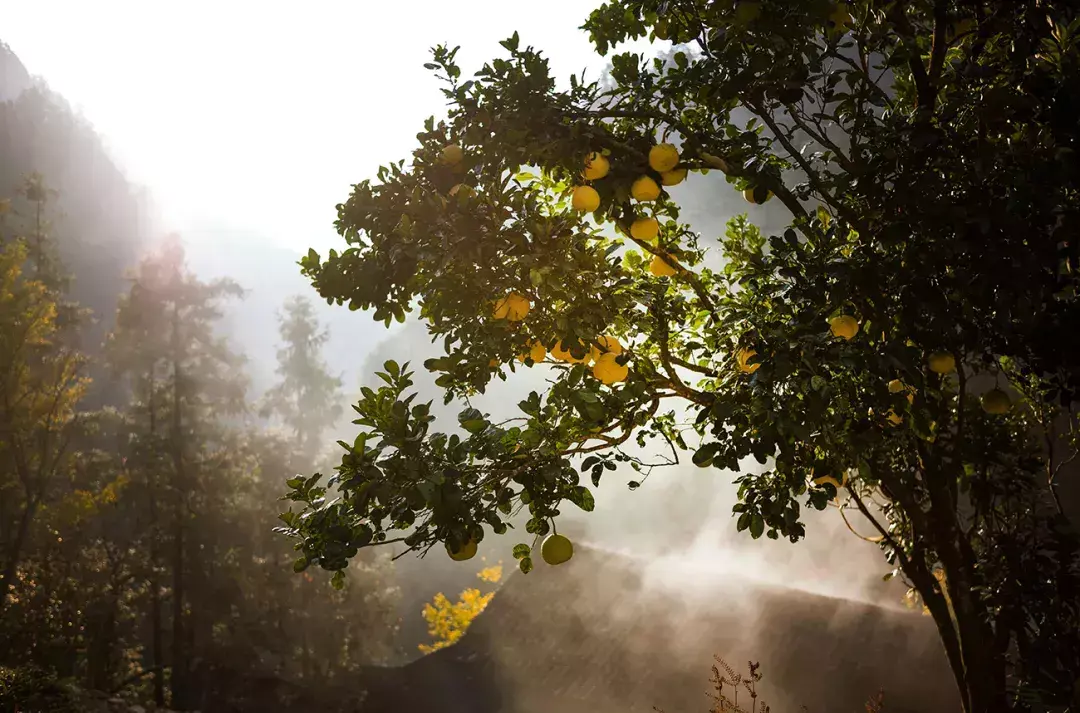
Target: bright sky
column 260, row 115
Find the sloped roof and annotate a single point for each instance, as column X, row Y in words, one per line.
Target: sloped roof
column 590, row 636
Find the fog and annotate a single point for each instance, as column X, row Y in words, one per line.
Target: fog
column 240, row 128
column 678, row 524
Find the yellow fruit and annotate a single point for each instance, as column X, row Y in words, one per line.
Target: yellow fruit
column 608, row 370
column 896, row 386
column 663, row 157
column 827, row 479
column 645, row 229
column 661, row 268
column 716, row 162
column 645, row 189
column 451, row 155
column 746, row 12
column 537, row 352
column 840, row 19
column 493, row 362
column 996, row 402
column 942, row 363
column 742, row 357
column 585, row 199
column 596, row 167
column 673, row 177
column 556, row 549
column 512, row 308
column 844, row 326
column 467, row 552
column 757, row 195
column 608, row 345
column 564, row 354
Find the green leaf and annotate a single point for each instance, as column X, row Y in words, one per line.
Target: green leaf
column 521, row 550
column 757, row 526
column 583, row 498
column 525, row 565
column 472, row 420
column 743, row 522
column 300, row 564
column 703, row 456
column 338, row 580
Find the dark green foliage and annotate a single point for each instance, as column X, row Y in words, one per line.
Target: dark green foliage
column 29, row 688
column 925, row 155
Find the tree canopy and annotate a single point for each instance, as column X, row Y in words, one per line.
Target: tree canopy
column 908, row 341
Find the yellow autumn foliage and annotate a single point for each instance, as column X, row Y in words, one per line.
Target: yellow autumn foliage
column 448, row 621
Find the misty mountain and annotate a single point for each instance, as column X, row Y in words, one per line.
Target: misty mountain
column 13, row 75
column 105, row 222
column 98, row 218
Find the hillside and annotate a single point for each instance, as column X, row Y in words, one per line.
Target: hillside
column 596, row 636
column 99, row 220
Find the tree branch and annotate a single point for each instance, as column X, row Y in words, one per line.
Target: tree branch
column 924, row 89
column 841, row 158
column 684, row 272
column 694, row 367
column 811, row 174
column 939, row 44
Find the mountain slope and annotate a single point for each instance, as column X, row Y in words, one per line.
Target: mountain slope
column 596, row 635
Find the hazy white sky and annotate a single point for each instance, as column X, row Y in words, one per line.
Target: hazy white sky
column 260, row 115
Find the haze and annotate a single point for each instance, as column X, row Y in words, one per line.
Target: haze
column 248, row 122
column 261, row 115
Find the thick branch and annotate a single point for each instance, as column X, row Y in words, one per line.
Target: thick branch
column 939, row 46
column 924, row 89
column 916, row 570
column 675, row 382
column 693, row 367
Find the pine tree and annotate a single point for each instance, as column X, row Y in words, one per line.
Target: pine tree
column 184, row 380
column 307, row 397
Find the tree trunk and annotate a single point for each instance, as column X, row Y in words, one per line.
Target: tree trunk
column 973, row 657
column 179, row 639
column 156, row 644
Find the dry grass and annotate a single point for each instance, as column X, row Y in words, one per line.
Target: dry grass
column 727, row 685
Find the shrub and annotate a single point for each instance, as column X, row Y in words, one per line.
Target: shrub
column 32, row 690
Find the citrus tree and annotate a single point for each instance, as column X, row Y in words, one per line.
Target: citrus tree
column 909, row 340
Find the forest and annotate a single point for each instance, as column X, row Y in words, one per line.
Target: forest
column 137, row 552
column 825, row 252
